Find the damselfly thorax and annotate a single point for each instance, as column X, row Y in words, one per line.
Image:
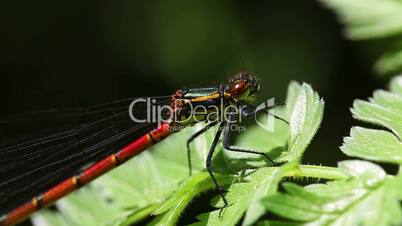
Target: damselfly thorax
column 195, row 105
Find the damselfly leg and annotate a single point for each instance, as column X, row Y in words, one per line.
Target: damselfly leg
column 247, row 113
column 219, row 188
column 191, row 139
column 227, row 139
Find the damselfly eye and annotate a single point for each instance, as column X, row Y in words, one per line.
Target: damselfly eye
column 239, row 88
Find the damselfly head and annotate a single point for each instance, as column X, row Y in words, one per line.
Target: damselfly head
column 243, row 86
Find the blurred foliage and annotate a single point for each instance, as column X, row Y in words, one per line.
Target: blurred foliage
column 368, row 19
column 371, row 19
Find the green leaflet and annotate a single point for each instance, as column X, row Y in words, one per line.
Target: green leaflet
column 378, row 114
column 369, row 197
column 174, row 206
column 385, row 109
column 371, row 144
column 305, row 120
column 268, row 186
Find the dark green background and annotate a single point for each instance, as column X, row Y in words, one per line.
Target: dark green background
column 57, row 54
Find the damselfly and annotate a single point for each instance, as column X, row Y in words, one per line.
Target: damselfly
column 37, row 172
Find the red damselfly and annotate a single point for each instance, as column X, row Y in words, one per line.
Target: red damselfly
column 37, row 172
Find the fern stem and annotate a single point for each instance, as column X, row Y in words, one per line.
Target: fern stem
column 322, row 172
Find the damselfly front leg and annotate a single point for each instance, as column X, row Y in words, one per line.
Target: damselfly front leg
column 227, row 140
column 247, row 112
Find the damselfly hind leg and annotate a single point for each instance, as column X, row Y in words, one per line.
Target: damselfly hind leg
column 219, row 188
column 195, row 135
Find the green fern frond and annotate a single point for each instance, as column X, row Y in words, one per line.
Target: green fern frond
column 369, row 196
